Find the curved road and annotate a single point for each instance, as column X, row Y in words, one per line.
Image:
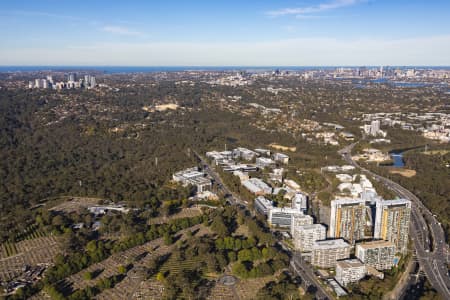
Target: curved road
column 429, row 239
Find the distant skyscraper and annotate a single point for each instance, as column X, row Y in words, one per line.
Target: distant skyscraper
column 392, row 220
column 92, row 82
column 375, row 127
column 89, row 81
column 72, row 77
column 348, row 219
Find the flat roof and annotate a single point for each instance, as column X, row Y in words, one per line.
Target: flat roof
column 375, row 244
column 395, row 202
column 288, row 210
column 311, row 226
column 349, row 263
column 330, row 244
column 347, row 200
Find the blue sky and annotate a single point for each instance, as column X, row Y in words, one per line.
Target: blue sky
column 217, row 32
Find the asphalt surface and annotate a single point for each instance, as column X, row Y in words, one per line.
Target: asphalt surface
column 426, row 232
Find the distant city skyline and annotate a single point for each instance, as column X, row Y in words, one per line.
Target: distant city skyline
column 226, row 33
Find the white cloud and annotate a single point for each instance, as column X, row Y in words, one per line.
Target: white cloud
column 314, row 9
column 121, row 30
column 431, row 50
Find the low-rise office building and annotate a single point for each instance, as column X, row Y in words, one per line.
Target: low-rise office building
column 282, row 158
column 193, row 177
column 257, row 186
column 244, row 153
column 263, row 205
column 264, row 162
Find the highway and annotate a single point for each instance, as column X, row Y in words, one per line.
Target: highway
column 427, row 234
column 300, row 267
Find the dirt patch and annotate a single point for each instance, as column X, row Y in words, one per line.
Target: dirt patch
column 184, row 213
column 404, row 172
column 437, row 152
column 283, row 148
column 75, row 204
column 162, row 107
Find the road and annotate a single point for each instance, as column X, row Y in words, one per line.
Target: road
column 301, row 268
column 427, row 234
column 306, row 272
column 230, row 197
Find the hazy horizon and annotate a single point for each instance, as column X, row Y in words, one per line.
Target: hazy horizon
column 226, row 33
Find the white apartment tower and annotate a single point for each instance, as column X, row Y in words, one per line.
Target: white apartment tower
column 378, row 254
column 392, row 220
column 304, row 236
column 347, row 219
column 326, row 253
column 349, row 271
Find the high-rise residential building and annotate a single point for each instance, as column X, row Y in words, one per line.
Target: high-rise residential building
column 326, row 253
column 92, row 82
column 300, row 202
column 38, row 83
column 348, row 219
column 304, row 236
column 299, row 219
column 375, row 127
column 350, row 271
column 378, row 254
column 392, row 220
column 72, row 77
column 89, row 81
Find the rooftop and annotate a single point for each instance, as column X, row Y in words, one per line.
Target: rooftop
column 395, row 202
column 311, row 226
column 349, row 263
column 375, row 244
column 330, row 244
column 347, row 201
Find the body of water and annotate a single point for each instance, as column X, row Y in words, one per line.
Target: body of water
column 150, row 69
column 397, row 157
